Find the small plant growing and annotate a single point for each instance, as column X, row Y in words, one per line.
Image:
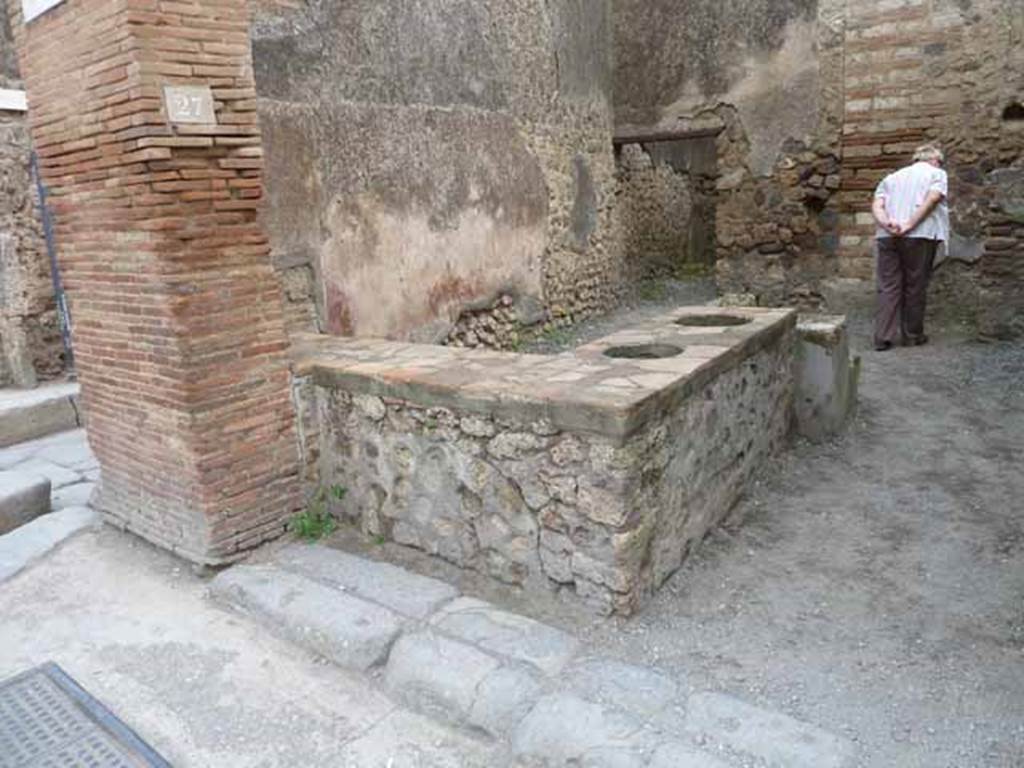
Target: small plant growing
column 316, row 521
column 557, row 335
column 652, row 290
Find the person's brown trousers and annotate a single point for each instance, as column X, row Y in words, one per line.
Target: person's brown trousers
column 904, row 270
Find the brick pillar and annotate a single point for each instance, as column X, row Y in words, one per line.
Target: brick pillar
column 178, row 328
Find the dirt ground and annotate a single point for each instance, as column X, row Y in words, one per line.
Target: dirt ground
column 874, row 586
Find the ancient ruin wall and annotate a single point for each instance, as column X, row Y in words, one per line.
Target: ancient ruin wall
column 948, row 71
column 666, row 206
column 30, row 341
column 816, row 101
column 428, row 158
column 765, row 76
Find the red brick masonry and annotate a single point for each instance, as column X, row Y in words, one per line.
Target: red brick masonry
column 178, row 328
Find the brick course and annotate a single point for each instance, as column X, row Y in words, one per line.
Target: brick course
column 178, row 333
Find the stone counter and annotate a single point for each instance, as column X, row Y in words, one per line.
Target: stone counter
column 579, row 471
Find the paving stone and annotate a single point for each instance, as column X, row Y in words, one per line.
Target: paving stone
column 638, row 690
column 32, row 413
column 76, row 495
column 459, row 683
column 21, row 547
column 15, row 454
column 68, row 449
column 678, row 755
column 407, row 593
column 59, row 476
column 23, row 497
column 406, row 740
column 503, row 700
column 91, row 465
column 563, row 730
column 508, row 634
column 438, row 674
column 352, row 633
column 779, row 740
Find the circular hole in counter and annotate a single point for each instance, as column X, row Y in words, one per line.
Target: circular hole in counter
column 643, row 351
column 719, row 320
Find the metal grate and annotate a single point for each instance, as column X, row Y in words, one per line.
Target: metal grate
column 48, row 721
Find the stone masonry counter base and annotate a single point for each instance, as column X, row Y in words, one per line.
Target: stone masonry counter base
column 577, row 472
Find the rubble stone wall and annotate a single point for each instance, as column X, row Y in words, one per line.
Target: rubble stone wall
column 30, row 340
column 428, row 159
column 765, row 77
column 666, row 199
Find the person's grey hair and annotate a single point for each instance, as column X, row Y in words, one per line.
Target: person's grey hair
column 928, row 152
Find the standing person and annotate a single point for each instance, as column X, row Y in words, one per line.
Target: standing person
column 912, row 213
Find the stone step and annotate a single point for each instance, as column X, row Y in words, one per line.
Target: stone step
column 460, row 684
column 520, row 682
column 28, row 543
column 26, row 414
column 565, row 730
column 355, row 634
column 409, row 594
column 775, row 738
column 23, row 497
column 506, row 635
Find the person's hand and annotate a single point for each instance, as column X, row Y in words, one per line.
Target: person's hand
column 893, row 228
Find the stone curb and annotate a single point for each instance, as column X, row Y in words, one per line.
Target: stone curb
column 466, row 662
column 642, row 691
column 27, row 544
column 76, row 495
column 58, row 476
column 482, row 693
column 23, row 497
column 776, row 738
column 407, row 593
column 353, row 633
column 38, row 412
column 564, row 730
column 506, row 634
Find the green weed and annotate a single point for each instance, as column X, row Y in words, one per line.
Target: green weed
column 316, row 521
column 557, row 335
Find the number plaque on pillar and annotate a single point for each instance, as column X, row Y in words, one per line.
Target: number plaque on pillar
column 189, row 104
column 32, row 8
